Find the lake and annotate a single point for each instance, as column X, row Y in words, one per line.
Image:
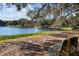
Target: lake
column 13, row 30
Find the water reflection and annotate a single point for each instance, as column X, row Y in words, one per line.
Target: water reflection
column 13, row 31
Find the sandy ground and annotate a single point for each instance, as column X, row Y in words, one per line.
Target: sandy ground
column 32, row 45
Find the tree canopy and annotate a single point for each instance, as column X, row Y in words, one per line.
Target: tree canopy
column 61, row 12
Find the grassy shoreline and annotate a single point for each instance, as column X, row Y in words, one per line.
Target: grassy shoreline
column 12, row 37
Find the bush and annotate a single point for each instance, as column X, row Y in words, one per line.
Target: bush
column 67, row 28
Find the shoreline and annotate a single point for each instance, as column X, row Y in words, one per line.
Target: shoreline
column 4, row 38
column 7, row 37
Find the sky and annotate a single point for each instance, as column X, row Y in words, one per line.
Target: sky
column 12, row 13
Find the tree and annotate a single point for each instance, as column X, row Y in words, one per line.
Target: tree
column 57, row 10
column 2, row 23
column 46, row 23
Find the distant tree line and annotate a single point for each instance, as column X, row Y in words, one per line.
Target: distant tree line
column 27, row 23
column 62, row 15
column 20, row 23
column 45, row 23
column 2, row 23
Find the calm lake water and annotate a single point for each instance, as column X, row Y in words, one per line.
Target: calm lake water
column 13, row 31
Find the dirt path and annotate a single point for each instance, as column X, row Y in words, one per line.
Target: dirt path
column 32, row 45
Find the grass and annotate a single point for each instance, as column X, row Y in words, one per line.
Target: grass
column 12, row 37
column 67, row 28
column 6, row 38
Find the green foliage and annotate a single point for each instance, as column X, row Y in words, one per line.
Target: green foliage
column 20, row 23
column 67, row 28
column 46, row 23
column 14, row 22
column 26, row 23
column 2, row 23
column 70, row 22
